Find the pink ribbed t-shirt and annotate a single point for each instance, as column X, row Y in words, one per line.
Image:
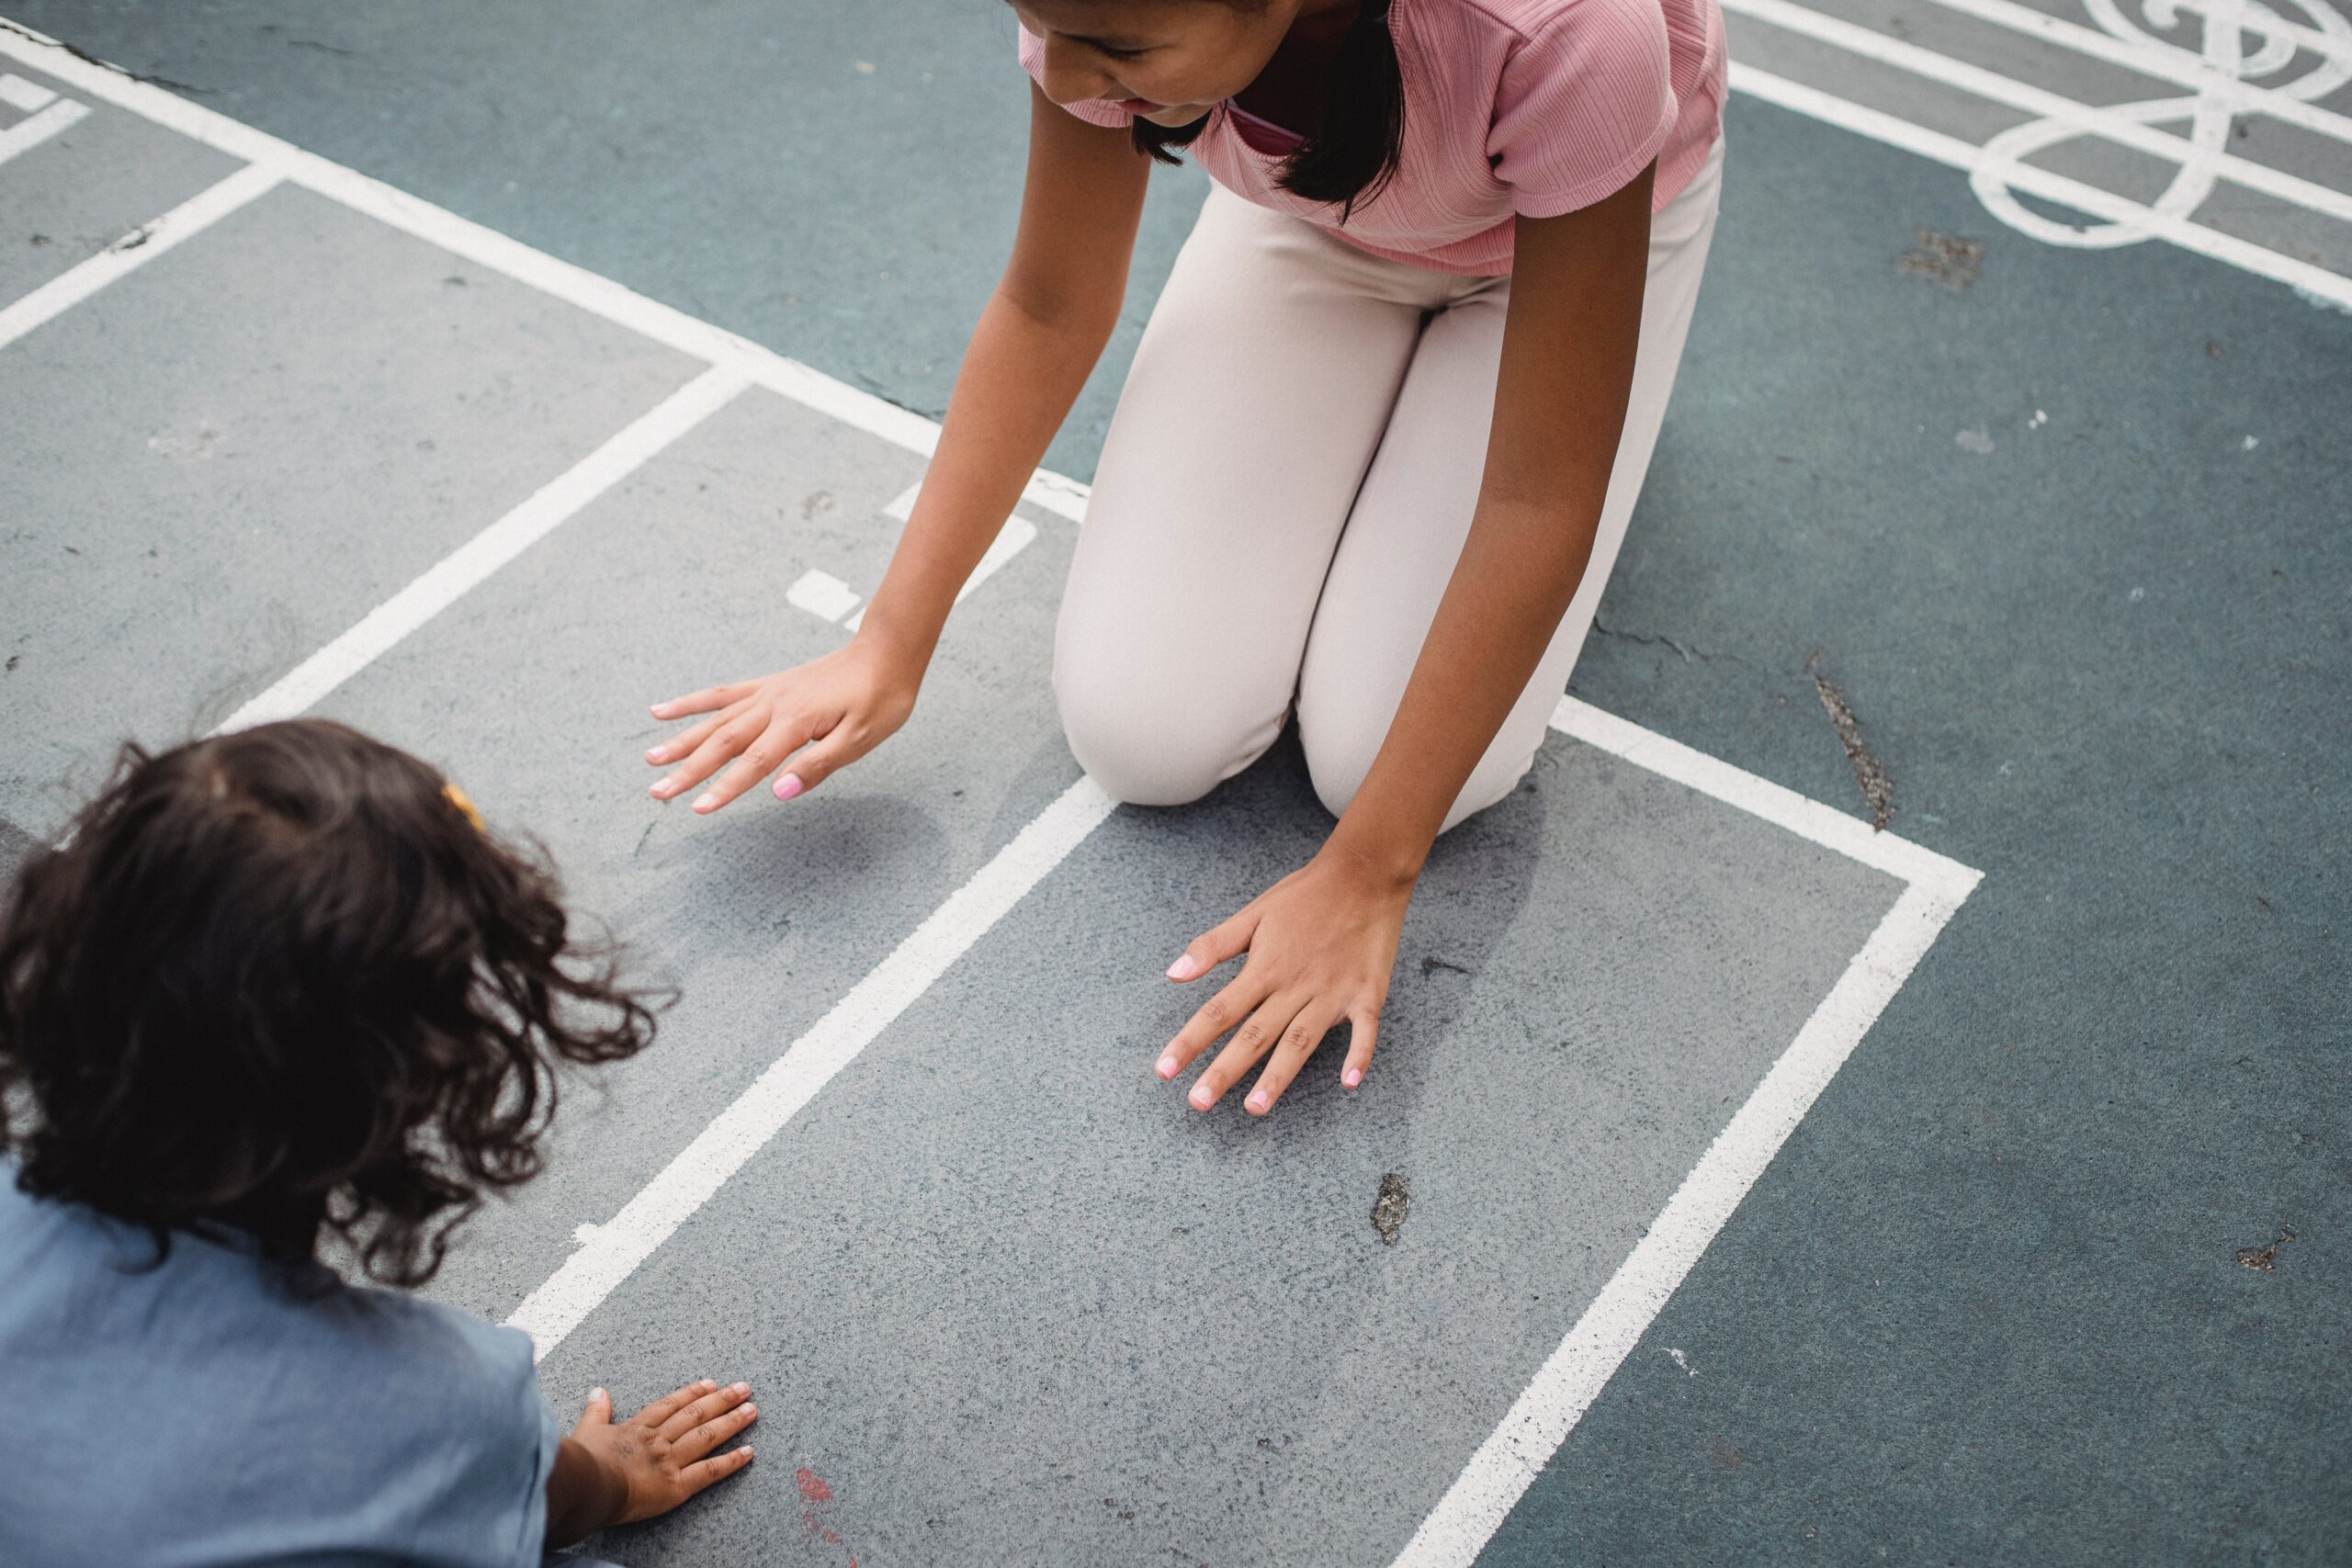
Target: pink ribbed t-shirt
column 1512, row 108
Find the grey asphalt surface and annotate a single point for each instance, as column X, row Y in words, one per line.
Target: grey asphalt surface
column 1986, row 1304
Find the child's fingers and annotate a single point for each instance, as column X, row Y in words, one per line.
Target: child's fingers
column 1363, row 1028
column 1216, row 1015
column 709, row 697
column 777, row 741
column 1299, row 1041
column 714, row 753
column 686, row 739
column 669, row 1404
column 717, row 1467
column 596, row 1411
column 1249, row 1042
column 1213, row 946
column 687, row 1418
column 700, row 1439
column 821, row 758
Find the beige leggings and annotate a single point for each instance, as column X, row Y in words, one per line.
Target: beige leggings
column 1284, row 491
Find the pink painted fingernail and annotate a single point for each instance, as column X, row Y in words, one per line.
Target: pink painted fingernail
column 1184, row 968
column 1258, row 1103
column 1166, row 1067
column 663, row 789
column 1352, row 1076
column 653, row 754
column 788, row 786
column 661, row 710
column 705, row 801
column 1199, row 1097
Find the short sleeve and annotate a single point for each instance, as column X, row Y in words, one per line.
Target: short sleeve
column 467, row 1480
column 1585, row 103
column 1094, row 111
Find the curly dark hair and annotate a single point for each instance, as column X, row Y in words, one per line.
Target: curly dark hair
column 280, row 981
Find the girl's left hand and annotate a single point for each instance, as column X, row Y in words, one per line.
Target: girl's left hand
column 1322, row 942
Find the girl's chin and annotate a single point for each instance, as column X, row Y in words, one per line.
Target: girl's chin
column 1174, row 115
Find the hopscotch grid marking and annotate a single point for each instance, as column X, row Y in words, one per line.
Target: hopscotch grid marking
column 599, row 295
column 610, row 1252
column 2090, row 120
column 50, row 115
column 134, row 251
column 25, row 97
column 472, row 563
column 1573, row 1377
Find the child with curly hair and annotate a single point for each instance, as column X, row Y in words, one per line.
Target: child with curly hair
column 281, row 985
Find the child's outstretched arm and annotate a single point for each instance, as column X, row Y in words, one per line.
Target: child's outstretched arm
column 617, row 1472
column 1037, row 339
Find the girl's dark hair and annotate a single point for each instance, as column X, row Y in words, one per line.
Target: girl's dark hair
column 280, row 980
column 1352, row 154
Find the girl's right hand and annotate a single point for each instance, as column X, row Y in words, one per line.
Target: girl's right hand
column 618, row 1473
column 829, row 711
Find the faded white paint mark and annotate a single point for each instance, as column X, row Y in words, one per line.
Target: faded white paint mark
column 50, row 114
column 193, row 448
column 823, row 595
column 25, row 97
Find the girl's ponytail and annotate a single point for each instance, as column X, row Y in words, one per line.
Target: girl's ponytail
column 1352, row 154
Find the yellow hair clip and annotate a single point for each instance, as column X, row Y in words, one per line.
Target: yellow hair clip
column 457, row 798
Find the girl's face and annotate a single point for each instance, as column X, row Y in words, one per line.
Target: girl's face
column 1170, row 61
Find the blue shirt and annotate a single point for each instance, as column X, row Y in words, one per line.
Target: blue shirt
column 220, row 1409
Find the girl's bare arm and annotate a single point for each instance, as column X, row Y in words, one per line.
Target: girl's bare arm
column 1038, row 337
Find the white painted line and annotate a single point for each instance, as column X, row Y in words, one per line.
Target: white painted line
column 27, row 134
column 25, row 97
column 1572, row 1377
column 822, row 594
column 465, row 567
column 760, row 366
column 132, row 252
column 2086, row 119
column 903, row 505
column 1575, row 1373
column 1776, row 804
column 1017, row 535
column 1967, row 156
column 613, row 1250
column 2166, row 65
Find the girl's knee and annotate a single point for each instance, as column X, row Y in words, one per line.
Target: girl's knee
column 1339, row 762
column 1142, row 751
column 1338, row 758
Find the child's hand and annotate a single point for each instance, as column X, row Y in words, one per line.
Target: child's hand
column 661, row 1456
column 1321, row 944
column 831, row 711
